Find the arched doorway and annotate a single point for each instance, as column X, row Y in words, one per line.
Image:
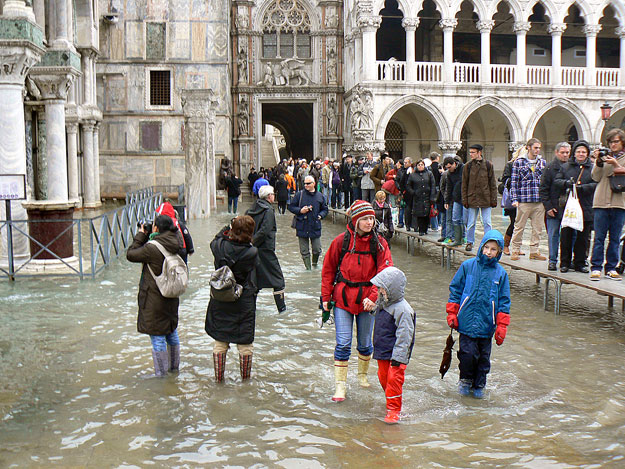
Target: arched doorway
column 411, row 131
column 295, row 121
column 487, row 126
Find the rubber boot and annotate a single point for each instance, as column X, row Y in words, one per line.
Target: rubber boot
column 278, row 297
column 392, row 417
column 340, row 380
column 315, row 260
column 307, row 262
column 363, row 368
column 457, row 235
column 464, row 387
column 174, row 357
column 219, row 361
column 245, row 363
column 506, row 244
column 161, row 363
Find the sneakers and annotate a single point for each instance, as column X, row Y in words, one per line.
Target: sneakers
column 464, row 387
column 478, row 393
column 447, row 241
column 392, row 417
column 515, row 256
column 595, row 275
column 536, row 256
column 613, row 275
column 469, row 247
column 551, row 266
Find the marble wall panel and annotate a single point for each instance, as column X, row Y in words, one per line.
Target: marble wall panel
column 177, row 170
column 158, row 9
column 116, row 98
column 195, row 80
column 150, row 135
column 179, row 40
column 198, row 41
column 135, row 42
column 172, row 135
column 217, row 36
column 132, row 135
column 115, row 135
column 179, row 10
column 136, row 88
column 125, row 173
column 134, row 10
column 202, row 9
column 155, row 40
column 161, row 167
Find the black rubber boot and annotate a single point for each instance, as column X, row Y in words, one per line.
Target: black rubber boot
column 174, row 357
column 307, row 262
column 278, row 297
column 315, row 260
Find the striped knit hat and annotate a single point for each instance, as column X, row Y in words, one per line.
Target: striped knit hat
column 360, row 209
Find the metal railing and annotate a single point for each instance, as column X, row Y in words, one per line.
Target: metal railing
column 107, row 236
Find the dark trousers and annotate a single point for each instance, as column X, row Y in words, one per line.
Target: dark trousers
column 422, row 224
column 408, row 214
column 575, row 243
column 474, row 357
column 347, row 195
column 335, row 199
column 356, row 193
column 282, row 206
column 511, row 212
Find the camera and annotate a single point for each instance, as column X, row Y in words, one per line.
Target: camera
column 603, row 152
column 147, row 223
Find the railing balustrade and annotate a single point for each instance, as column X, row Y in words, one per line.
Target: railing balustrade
column 503, row 74
column 607, row 76
column 467, row 73
column 431, row 72
column 538, row 75
column 391, row 70
column 573, row 76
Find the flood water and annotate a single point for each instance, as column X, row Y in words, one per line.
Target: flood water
column 71, row 393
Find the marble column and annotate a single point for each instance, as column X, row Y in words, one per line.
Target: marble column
column 61, row 40
column 449, row 147
column 556, row 30
column 72, row 161
column 369, row 25
column 521, row 28
column 200, row 184
column 620, row 32
column 591, row 32
column 96, row 162
column 17, row 9
column 358, row 57
column 88, row 163
column 448, row 25
column 39, row 9
column 41, row 158
column 410, row 25
column 485, row 27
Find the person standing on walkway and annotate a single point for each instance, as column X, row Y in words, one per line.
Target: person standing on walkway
column 608, row 206
column 383, row 216
column 268, row 272
column 234, row 322
column 158, row 316
column 454, row 169
column 346, row 181
column 405, row 212
column 524, row 193
column 479, row 192
column 353, row 259
column 367, row 186
column 260, row 182
column 550, row 196
column 422, row 189
column 282, row 193
column 233, row 188
column 310, row 207
column 437, row 172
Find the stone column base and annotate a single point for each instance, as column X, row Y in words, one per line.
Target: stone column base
column 46, row 221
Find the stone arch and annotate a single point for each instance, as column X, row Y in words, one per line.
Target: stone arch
column 578, row 116
column 587, row 12
column 515, row 9
column 313, row 14
column 618, row 7
column 403, row 5
column 442, row 8
column 480, row 9
column 600, row 126
column 514, row 124
column 437, row 116
column 550, row 10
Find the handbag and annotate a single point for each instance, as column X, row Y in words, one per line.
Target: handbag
column 506, row 200
column 433, row 211
column 224, row 286
column 617, row 183
column 294, row 221
column 573, row 215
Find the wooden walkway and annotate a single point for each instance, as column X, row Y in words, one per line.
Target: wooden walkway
column 605, row 287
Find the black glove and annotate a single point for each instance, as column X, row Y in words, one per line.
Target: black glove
column 569, row 184
column 395, row 363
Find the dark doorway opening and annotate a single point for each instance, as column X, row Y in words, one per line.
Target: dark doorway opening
column 295, row 122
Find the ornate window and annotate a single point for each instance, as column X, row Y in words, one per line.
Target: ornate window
column 286, row 31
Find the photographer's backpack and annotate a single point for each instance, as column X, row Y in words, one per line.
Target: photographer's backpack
column 174, row 278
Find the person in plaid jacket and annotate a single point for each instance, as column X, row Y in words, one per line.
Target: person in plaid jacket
column 524, row 190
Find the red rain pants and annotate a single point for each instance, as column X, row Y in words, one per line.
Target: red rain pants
column 392, row 381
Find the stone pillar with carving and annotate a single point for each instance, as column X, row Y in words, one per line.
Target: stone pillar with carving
column 18, row 55
column 200, row 184
column 449, row 147
column 485, row 27
column 556, row 30
column 88, row 164
column 410, row 25
column 591, row 32
column 369, row 25
column 72, row 161
column 448, row 25
column 521, row 28
column 96, row 161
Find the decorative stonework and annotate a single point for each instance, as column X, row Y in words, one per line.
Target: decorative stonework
column 361, row 111
column 332, row 19
column 199, row 104
column 522, row 26
column 370, row 23
column 155, row 40
column 243, row 116
column 15, row 64
column 556, row 29
column 52, row 86
column 332, row 115
column 410, row 24
column 485, row 26
column 591, row 30
column 286, row 15
column 331, row 61
column 242, row 65
column 448, row 24
column 514, row 146
column 620, row 32
column 283, row 73
column 449, row 146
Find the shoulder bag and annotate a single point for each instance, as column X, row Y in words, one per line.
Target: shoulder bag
column 224, row 286
column 617, row 183
column 294, row 221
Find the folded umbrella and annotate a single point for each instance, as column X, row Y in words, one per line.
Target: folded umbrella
column 449, row 345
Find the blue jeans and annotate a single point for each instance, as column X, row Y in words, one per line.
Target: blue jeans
column 607, row 221
column 459, row 216
column 232, row 204
column 434, row 223
column 472, row 220
column 344, row 324
column 442, row 215
column 356, row 193
column 449, row 232
column 553, row 237
column 160, row 342
column 400, row 218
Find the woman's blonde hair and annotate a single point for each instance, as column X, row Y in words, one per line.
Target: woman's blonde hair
column 379, row 195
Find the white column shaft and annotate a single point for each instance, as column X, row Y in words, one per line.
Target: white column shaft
column 622, row 62
column 96, row 163
column 556, row 58
column 369, row 53
column 88, row 166
column 448, row 54
column 410, row 55
column 56, row 150
column 591, row 59
column 72, row 162
column 485, row 56
column 521, row 53
column 60, row 9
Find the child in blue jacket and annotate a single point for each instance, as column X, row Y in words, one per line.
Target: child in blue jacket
column 393, row 337
column 478, row 307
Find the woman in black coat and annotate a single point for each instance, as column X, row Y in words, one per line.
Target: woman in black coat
column 577, row 172
column 234, row 322
column 233, row 187
column 282, row 193
column 422, row 189
column 383, row 216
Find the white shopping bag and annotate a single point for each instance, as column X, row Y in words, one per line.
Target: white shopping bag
column 573, row 216
column 395, row 215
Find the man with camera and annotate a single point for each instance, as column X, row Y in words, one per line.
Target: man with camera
column 608, row 205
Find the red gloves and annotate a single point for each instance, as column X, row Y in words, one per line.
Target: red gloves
column 452, row 314
column 503, row 320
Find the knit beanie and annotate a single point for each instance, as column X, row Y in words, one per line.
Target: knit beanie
column 580, row 143
column 360, row 209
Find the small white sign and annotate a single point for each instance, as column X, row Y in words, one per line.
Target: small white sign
column 12, row 187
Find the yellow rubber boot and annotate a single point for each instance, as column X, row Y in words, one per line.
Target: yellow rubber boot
column 363, row 368
column 340, row 379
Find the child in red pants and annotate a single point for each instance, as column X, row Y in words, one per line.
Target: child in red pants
column 393, row 337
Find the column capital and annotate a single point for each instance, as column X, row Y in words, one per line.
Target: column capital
column 514, row 146
column 522, row 26
column 620, row 32
column 369, row 23
column 410, row 24
column 591, row 30
column 199, row 104
column 88, row 126
column 71, row 127
column 449, row 145
column 53, row 86
column 485, row 26
column 448, row 24
column 15, row 63
column 556, row 29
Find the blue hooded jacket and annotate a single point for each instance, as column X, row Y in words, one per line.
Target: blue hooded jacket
column 482, row 290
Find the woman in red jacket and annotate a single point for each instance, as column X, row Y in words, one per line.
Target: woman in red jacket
column 353, row 259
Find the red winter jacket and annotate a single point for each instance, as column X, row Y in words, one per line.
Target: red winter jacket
column 355, row 268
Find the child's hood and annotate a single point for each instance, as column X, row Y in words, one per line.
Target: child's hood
column 491, row 235
column 393, row 281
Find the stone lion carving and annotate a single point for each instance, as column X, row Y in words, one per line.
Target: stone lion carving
column 291, row 69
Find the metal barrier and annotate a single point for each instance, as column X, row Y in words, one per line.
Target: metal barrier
column 109, row 236
column 134, row 196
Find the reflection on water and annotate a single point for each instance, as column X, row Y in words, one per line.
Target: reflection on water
column 71, row 395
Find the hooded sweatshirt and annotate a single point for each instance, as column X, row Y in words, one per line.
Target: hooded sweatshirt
column 394, row 331
column 482, row 289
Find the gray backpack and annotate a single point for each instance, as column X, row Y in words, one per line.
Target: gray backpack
column 174, row 278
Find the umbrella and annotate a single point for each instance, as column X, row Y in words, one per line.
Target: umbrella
column 449, row 344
